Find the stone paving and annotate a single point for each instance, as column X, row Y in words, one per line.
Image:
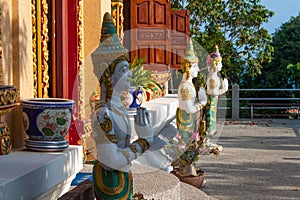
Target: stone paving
column 260, row 160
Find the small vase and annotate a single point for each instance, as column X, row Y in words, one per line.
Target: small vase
column 132, row 98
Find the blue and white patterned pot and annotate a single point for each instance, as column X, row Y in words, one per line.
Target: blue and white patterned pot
column 132, row 98
column 47, row 118
column 137, row 97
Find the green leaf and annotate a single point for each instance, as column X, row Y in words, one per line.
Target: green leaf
column 47, row 131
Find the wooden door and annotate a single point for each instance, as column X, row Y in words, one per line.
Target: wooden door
column 180, row 23
column 150, row 32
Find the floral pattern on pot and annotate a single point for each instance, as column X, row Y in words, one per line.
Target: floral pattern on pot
column 47, row 119
column 54, row 123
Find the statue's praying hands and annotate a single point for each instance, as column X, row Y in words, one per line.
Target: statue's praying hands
column 143, row 126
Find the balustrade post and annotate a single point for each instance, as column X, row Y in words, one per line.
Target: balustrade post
column 235, row 102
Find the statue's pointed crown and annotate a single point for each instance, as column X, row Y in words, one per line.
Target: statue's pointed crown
column 215, row 53
column 110, row 47
column 190, row 54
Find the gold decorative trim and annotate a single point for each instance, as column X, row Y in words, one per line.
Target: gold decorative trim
column 34, row 47
column 39, row 12
column 106, row 127
column 184, row 123
column 1, row 44
column 144, row 144
column 117, row 17
column 45, row 52
column 116, row 190
column 80, row 60
column 5, row 141
column 185, row 94
column 38, row 46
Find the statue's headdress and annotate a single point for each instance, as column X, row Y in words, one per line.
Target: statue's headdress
column 189, row 55
column 188, row 59
column 214, row 56
column 110, row 48
column 109, row 52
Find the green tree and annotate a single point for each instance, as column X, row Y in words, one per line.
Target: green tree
column 284, row 69
column 236, row 26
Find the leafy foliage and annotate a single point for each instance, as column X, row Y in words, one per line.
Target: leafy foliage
column 236, row 26
column 284, row 69
column 143, row 78
column 200, row 81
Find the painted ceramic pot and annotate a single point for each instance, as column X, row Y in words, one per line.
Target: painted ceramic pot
column 47, row 118
column 132, row 98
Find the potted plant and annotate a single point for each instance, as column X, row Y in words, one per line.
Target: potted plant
column 186, row 155
column 144, row 87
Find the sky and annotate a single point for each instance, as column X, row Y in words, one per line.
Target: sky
column 284, row 10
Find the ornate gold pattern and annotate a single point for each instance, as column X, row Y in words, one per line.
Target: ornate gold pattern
column 5, row 145
column 8, row 97
column 45, row 52
column 185, row 94
column 80, row 59
column 185, row 66
column 34, row 47
column 144, row 144
column 39, row 12
column 107, row 190
column 106, row 126
column 117, row 17
column 1, row 47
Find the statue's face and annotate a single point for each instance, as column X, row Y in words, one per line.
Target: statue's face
column 121, row 77
column 219, row 66
column 194, row 70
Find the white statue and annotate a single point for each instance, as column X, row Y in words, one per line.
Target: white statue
column 110, row 121
column 189, row 113
column 215, row 86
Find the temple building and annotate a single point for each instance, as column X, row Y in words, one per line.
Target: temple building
column 46, row 45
